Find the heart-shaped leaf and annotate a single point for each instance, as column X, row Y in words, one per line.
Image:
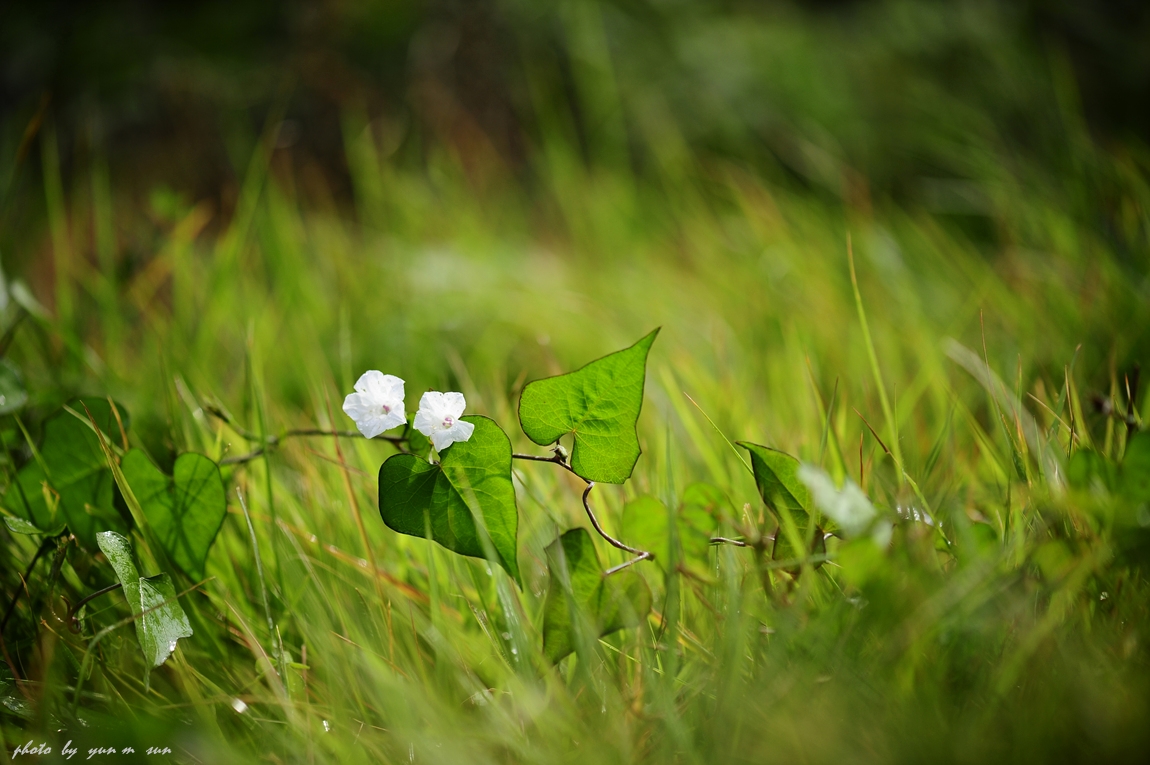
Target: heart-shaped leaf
column 161, row 620
column 185, row 510
column 777, row 478
column 583, row 604
column 466, row 500
column 77, row 474
column 600, row 405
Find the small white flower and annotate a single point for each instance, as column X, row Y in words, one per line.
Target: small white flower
column 377, row 404
column 438, row 419
column 848, row 507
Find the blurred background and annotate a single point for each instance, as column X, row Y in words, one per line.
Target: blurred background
column 985, row 154
column 920, row 102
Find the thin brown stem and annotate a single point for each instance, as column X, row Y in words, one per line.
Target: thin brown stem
column 554, row 459
column 273, row 441
column 74, row 623
column 240, row 459
column 627, row 564
column 297, row 432
column 558, row 459
column 642, row 554
column 728, row 541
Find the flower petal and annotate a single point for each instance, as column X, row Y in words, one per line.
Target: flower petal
column 425, row 421
column 432, row 403
column 393, row 387
column 454, row 403
column 375, row 407
column 463, row 430
column 441, row 439
column 368, row 380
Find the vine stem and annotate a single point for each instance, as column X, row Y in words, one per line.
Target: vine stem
column 72, row 622
column 639, row 554
column 272, row 441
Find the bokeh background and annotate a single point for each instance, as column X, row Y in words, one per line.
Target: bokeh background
column 919, row 102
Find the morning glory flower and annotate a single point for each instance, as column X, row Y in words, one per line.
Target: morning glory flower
column 848, row 507
column 438, row 419
column 377, row 404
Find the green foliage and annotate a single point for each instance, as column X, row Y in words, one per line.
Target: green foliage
column 69, row 480
column 20, row 526
column 13, row 394
column 417, row 443
column 583, row 604
column 160, row 620
column 788, row 499
column 646, row 525
column 598, row 403
column 700, row 510
column 185, row 510
column 1087, row 469
column 466, row 501
column 1135, row 471
column 777, row 479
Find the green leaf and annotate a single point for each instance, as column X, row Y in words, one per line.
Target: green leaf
column 582, row 604
column 77, row 472
column 471, row 482
column 186, row 510
column 776, row 476
column 21, row 526
column 118, row 550
column 163, row 621
column 417, row 443
column 158, row 630
column 1135, row 474
column 11, row 701
column 600, row 405
column 1087, row 469
column 13, row 394
column 699, row 511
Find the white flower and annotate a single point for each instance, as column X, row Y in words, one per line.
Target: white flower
column 848, row 507
column 438, row 419
column 377, row 404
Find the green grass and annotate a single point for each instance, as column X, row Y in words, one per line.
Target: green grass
column 1023, row 638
